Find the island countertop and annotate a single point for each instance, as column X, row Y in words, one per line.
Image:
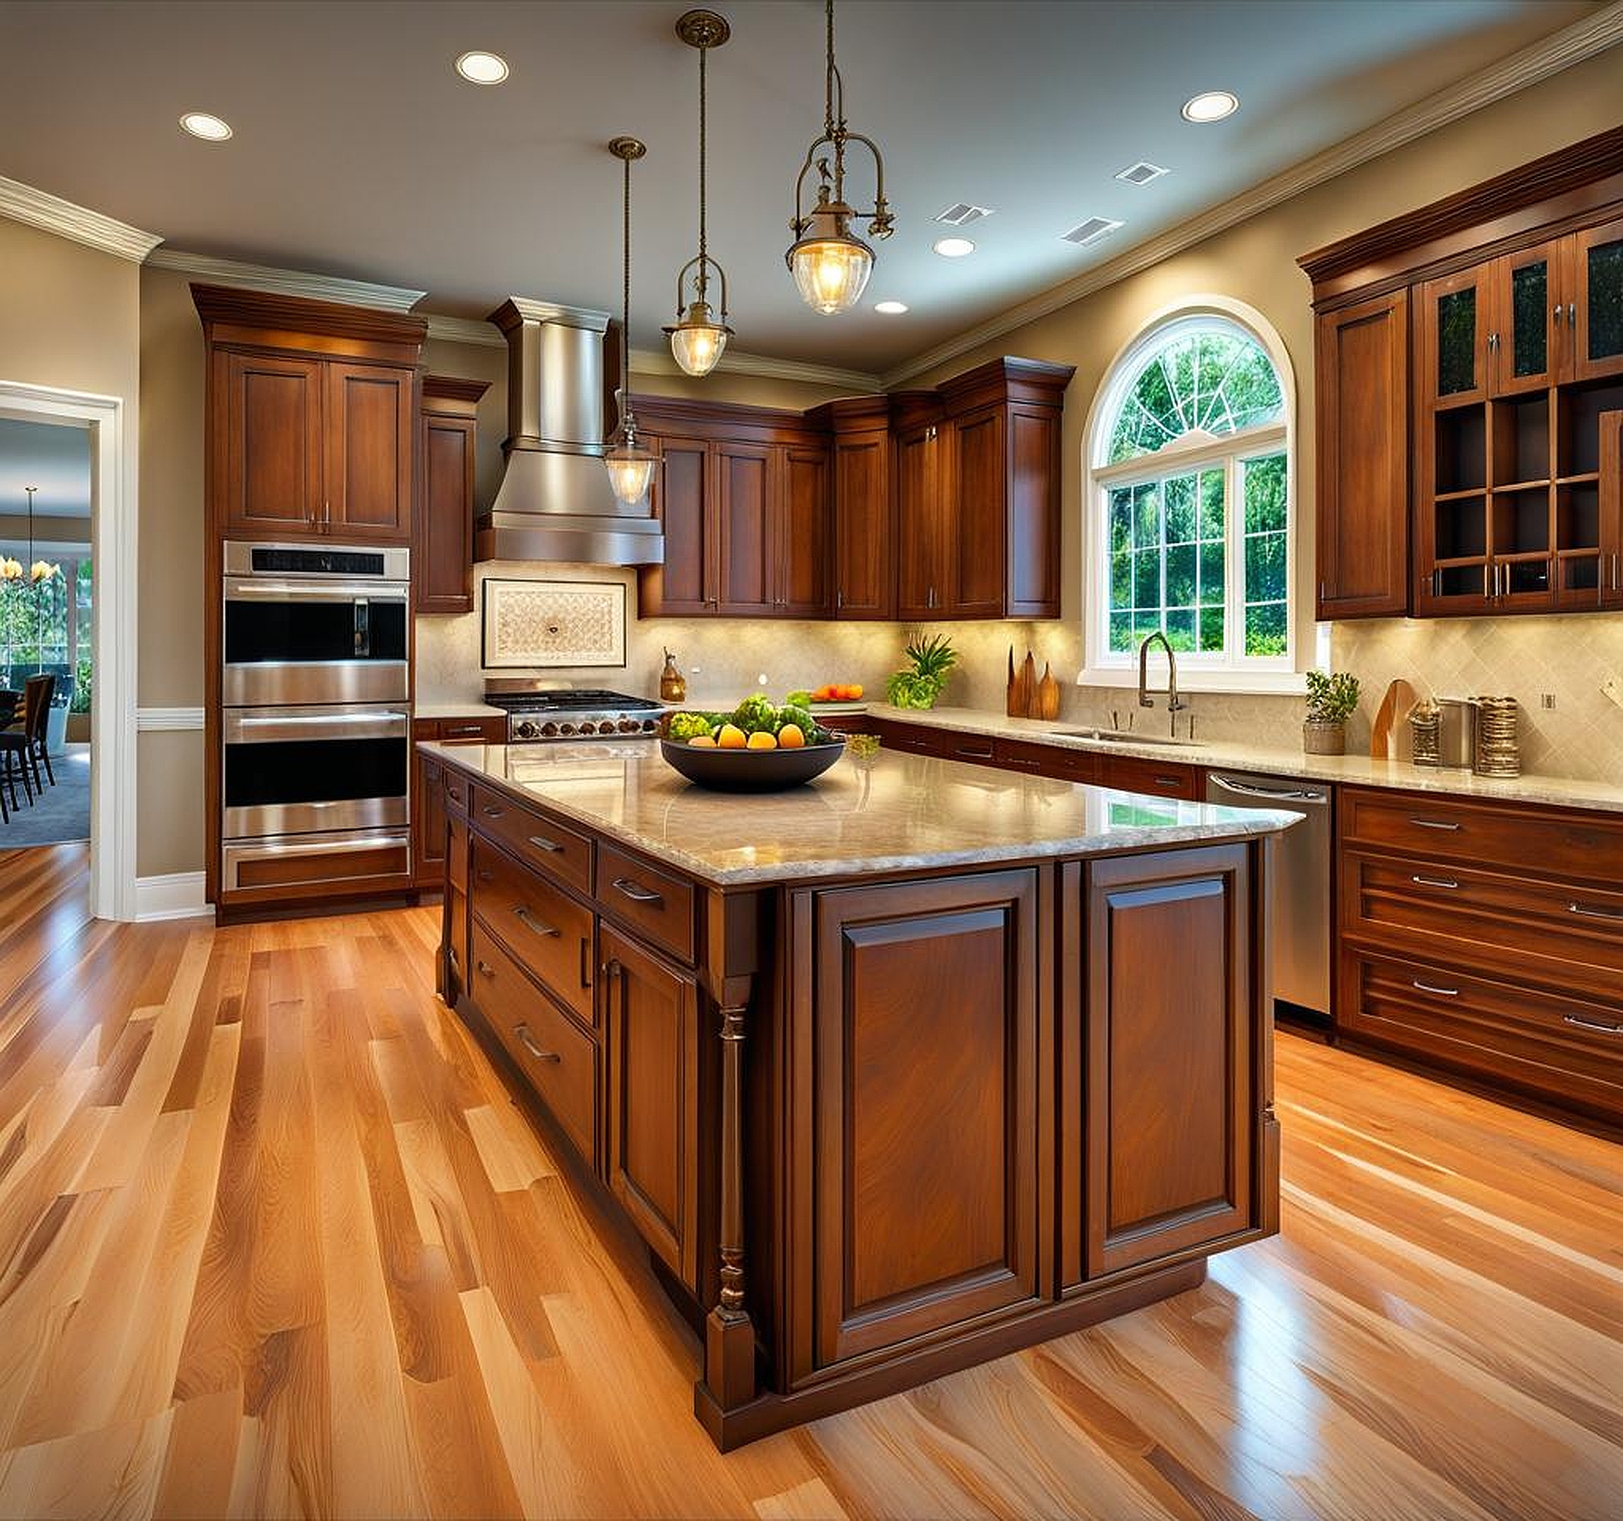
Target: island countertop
column 894, row 812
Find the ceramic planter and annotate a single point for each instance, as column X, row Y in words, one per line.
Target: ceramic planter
column 1321, row 738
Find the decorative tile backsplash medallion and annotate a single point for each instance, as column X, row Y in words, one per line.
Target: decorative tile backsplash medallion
column 530, row 625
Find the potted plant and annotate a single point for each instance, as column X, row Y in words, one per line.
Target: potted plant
column 1332, row 698
column 918, row 685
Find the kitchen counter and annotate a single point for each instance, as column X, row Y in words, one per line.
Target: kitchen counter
column 1560, row 791
column 894, row 813
column 470, row 709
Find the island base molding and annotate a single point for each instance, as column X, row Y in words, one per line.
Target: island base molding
column 771, row 1413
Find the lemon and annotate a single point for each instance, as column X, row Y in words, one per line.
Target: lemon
column 762, row 741
column 732, row 737
column 791, row 738
column 701, row 742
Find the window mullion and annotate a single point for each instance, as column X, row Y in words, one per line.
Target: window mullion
column 1234, row 536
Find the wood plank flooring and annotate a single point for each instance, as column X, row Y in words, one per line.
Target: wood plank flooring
column 274, row 1243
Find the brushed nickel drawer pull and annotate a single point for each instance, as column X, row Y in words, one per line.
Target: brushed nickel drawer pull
column 634, row 892
column 540, row 926
column 541, row 842
column 1166, row 781
column 527, row 1040
column 483, row 875
column 1434, row 882
column 1589, row 1024
column 485, row 969
column 1435, row 824
column 491, row 811
column 1426, row 987
column 463, row 732
column 1584, row 911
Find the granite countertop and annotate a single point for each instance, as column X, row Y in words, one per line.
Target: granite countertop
column 894, row 813
column 472, row 708
column 1359, row 769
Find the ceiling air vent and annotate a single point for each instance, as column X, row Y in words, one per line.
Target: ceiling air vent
column 1090, row 231
column 1141, row 173
column 962, row 214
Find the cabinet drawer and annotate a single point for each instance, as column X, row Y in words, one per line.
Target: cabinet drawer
column 1532, row 930
column 458, row 792
column 535, row 839
column 914, row 739
column 1577, row 844
column 459, row 731
column 1546, row 1044
column 1046, row 760
column 558, row 1060
column 545, row 929
column 977, row 749
column 653, row 901
column 1129, row 773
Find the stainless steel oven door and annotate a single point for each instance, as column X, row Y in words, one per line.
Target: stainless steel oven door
column 315, row 641
column 299, row 770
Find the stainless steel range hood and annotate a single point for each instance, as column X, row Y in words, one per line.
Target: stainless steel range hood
column 555, row 502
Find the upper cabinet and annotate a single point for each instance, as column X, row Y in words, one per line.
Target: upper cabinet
column 863, row 564
column 311, row 418
column 447, row 449
column 1475, row 479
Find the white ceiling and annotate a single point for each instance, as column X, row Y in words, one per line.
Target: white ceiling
column 358, row 152
column 52, row 456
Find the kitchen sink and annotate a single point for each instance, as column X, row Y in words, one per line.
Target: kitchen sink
column 1122, row 737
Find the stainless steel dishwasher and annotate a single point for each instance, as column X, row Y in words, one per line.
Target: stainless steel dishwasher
column 1301, row 883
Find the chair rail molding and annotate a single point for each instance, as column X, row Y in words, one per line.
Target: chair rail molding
column 50, row 213
column 114, row 537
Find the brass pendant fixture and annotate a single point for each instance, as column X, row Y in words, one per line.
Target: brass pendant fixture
column 631, row 470
column 830, row 263
column 697, row 338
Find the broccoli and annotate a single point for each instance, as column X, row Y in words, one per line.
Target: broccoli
column 756, row 714
column 800, row 716
column 686, row 726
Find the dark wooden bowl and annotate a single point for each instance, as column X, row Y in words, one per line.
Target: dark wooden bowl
column 751, row 770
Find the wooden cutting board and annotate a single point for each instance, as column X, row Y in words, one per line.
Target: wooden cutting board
column 1386, row 733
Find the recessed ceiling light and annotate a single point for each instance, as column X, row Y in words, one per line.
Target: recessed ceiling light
column 482, row 68
column 890, row 308
column 210, row 128
column 953, row 248
column 1210, row 105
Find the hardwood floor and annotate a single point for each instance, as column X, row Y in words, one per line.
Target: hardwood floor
column 274, row 1243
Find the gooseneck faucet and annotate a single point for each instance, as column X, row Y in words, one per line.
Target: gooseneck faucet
column 1174, row 704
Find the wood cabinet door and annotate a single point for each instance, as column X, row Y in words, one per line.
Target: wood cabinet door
column 914, row 1182
column 428, row 813
column 804, row 533
column 1528, row 337
column 1595, row 310
column 1454, row 319
column 651, row 1010
column 684, row 586
column 1362, row 503
column 1158, row 1088
column 443, row 564
column 1610, row 571
column 921, row 577
column 746, row 496
column 1032, row 441
column 864, row 543
column 368, row 424
column 975, row 514
column 272, row 454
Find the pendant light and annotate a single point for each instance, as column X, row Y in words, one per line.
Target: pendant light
column 631, row 470
column 830, row 263
column 697, row 338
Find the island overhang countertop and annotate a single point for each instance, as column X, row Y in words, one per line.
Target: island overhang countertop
column 893, row 812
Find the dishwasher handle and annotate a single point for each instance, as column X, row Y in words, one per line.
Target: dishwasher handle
column 1291, row 795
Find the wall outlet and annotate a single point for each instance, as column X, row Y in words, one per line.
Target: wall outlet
column 1613, row 688
column 1546, row 700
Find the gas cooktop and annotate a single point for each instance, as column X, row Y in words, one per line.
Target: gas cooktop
column 537, row 713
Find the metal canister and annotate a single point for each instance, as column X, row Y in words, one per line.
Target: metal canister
column 1498, row 745
column 1425, row 733
column 1456, row 738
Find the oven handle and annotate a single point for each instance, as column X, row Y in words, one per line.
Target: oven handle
column 240, row 729
column 321, row 591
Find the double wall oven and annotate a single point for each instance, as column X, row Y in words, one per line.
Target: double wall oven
column 315, row 728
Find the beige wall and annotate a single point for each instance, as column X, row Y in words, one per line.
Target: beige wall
column 45, row 530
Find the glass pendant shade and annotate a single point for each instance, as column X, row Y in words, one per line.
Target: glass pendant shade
column 698, row 340
column 831, row 272
column 631, row 472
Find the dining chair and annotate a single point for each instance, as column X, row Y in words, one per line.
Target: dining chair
column 23, row 750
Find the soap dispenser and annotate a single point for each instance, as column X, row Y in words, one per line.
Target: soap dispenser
column 673, row 686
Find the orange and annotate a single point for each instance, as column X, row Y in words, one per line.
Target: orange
column 791, row 738
column 702, row 742
column 732, row 737
column 762, row 741
column 856, row 692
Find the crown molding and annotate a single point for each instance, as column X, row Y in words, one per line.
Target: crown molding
column 50, row 213
column 285, row 282
column 1550, row 55
column 463, row 330
column 660, row 362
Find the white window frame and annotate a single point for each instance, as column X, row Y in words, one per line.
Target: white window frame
column 1305, row 642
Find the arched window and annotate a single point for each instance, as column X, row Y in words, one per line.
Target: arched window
column 1191, row 496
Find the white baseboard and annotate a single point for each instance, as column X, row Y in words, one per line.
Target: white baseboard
column 179, row 895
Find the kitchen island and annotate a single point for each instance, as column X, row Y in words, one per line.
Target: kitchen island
column 893, row 1073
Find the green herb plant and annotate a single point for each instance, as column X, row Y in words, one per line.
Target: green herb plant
column 1332, row 697
column 921, row 683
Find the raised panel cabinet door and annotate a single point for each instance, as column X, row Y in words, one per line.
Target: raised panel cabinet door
column 975, row 516
column 1362, row 502
column 805, row 524
column 652, row 1015
column 444, row 559
column 1595, row 313
column 1528, row 321
column 1610, row 574
column 864, row 543
column 1158, row 1089
column 272, row 443
column 915, row 1182
column 428, row 816
column 1033, row 573
column 368, row 423
column 921, row 578
column 684, row 586
column 747, row 492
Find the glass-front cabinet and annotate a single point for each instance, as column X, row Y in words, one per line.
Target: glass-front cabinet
column 1455, row 320
column 1594, row 305
column 1527, row 338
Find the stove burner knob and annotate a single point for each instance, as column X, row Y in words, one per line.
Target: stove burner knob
column 566, row 728
column 628, row 726
column 526, row 729
column 549, row 731
column 588, row 728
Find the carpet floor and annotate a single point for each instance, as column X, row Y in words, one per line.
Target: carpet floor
column 58, row 814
